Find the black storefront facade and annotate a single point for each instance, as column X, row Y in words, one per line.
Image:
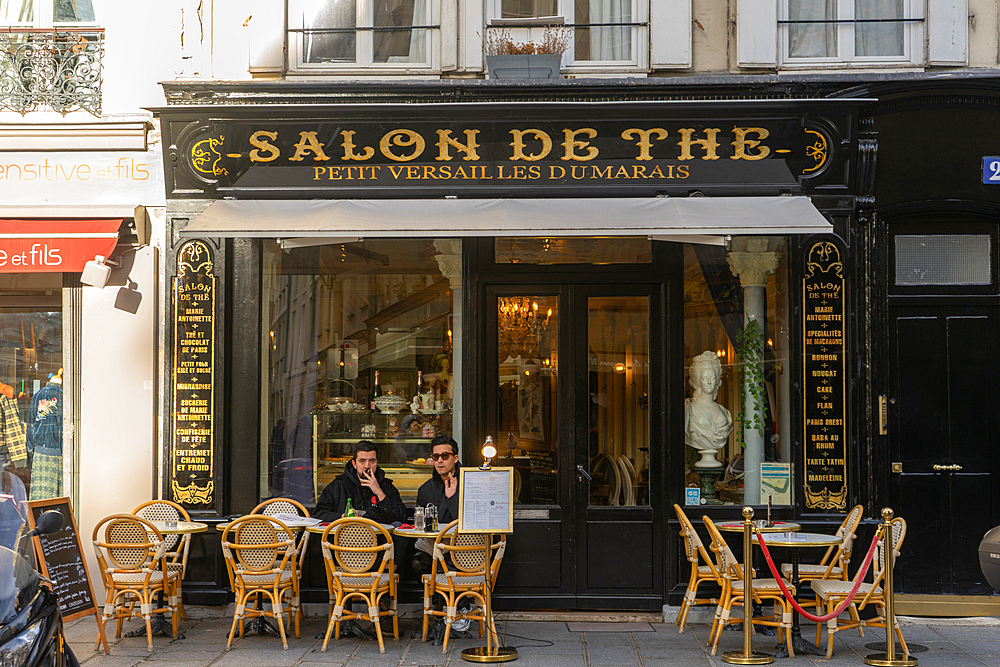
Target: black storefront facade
column 335, row 244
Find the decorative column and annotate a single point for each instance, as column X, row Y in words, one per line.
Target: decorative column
column 752, row 259
column 450, row 264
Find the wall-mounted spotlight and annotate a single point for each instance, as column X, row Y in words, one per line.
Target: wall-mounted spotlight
column 96, row 272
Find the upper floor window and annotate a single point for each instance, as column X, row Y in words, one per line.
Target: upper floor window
column 351, row 34
column 851, row 31
column 605, row 32
column 42, row 14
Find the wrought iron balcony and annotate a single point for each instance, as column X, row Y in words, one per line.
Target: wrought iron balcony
column 51, row 69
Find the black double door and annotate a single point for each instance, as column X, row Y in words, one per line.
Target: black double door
column 944, row 436
column 572, row 388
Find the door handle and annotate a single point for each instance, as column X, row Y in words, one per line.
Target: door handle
column 582, row 475
column 953, row 466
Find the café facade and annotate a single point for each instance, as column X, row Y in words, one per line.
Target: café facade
column 540, row 264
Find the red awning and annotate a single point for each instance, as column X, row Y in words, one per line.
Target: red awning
column 54, row 246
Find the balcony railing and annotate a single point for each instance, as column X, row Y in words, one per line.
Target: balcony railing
column 56, row 69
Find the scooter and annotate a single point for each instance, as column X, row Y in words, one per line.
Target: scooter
column 31, row 628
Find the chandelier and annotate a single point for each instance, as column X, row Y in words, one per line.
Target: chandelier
column 521, row 326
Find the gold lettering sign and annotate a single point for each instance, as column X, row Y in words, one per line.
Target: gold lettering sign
column 192, row 445
column 824, row 386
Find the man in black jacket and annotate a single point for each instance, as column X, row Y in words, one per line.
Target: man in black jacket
column 366, row 485
column 441, row 490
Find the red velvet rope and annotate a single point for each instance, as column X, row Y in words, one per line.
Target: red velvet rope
column 858, row 578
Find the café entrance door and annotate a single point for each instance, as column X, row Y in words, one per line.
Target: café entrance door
column 572, row 385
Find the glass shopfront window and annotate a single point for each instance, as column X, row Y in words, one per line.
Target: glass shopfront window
column 361, row 342
column 737, row 411
column 33, row 463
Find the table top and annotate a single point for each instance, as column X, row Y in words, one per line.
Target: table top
column 294, row 526
column 776, row 527
column 180, row 527
column 321, row 528
column 413, row 532
column 800, row 539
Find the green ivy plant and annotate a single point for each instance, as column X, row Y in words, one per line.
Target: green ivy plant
column 750, row 350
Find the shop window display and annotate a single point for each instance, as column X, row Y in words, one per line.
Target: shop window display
column 31, row 385
column 361, row 342
column 737, row 413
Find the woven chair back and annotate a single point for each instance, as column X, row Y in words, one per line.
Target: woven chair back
column 726, row 562
column 255, row 544
column 163, row 510
column 691, row 539
column 128, row 543
column 898, row 535
column 355, row 535
column 280, row 506
column 469, row 554
column 847, row 530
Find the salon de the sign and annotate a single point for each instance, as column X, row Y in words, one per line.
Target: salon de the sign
column 542, row 152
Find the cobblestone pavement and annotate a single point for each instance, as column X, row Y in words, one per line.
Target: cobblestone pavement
column 949, row 643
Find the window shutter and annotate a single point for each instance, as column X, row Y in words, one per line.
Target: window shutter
column 947, row 32
column 448, row 37
column 757, row 33
column 267, row 35
column 670, row 33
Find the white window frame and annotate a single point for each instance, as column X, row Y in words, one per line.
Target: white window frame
column 364, row 53
column 45, row 18
column 638, row 60
column 913, row 40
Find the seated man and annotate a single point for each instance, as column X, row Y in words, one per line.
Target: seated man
column 441, row 490
column 366, row 485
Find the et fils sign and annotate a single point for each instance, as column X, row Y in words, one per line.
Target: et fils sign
column 192, row 444
column 52, row 246
column 99, row 178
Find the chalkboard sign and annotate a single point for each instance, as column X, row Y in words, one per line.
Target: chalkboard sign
column 61, row 558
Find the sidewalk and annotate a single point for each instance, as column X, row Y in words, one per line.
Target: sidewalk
column 970, row 642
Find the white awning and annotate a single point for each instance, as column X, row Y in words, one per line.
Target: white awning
column 694, row 219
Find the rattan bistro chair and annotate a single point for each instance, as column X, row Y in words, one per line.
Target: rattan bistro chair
column 352, row 547
column 732, row 594
column 258, row 550
column 832, row 592
column 696, row 553
column 132, row 559
column 836, row 559
column 458, row 571
column 177, row 545
column 288, row 506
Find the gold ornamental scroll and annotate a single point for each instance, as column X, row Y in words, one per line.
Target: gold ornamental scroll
column 824, row 387
column 192, row 479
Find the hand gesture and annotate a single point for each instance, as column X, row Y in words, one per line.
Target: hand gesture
column 367, row 479
column 450, row 484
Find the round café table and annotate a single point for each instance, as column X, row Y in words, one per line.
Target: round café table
column 294, row 526
column 158, row 624
column 796, row 541
column 413, row 532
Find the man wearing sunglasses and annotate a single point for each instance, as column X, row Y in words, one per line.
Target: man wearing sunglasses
column 368, row 488
column 441, row 490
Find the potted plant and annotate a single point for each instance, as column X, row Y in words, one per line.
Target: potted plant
column 507, row 59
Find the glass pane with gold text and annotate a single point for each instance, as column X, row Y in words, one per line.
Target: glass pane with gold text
column 618, row 378
column 527, row 405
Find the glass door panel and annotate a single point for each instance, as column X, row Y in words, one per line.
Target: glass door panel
column 528, row 405
column 618, row 407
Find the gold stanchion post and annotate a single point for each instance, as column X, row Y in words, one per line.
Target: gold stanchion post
column 889, row 659
column 747, row 656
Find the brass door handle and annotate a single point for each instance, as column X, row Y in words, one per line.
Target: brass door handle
column 953, row 466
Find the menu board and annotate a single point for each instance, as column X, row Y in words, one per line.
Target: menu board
column 823, row 387
column 487, row 504
column 191, row 450
column 61, row 559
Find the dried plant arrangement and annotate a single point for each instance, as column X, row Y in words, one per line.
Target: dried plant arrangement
column 555, row 40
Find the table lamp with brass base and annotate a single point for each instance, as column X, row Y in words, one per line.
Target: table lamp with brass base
column 491, row 652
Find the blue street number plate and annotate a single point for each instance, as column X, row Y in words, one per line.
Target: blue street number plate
column 991, row 170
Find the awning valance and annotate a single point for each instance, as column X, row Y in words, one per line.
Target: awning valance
column 676, row 218
column 52, row 246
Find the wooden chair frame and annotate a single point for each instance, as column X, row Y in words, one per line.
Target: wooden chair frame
column 178, row 546
column 354, row 571
column 695, row 552
column 461, row 558
column 733, row 595
column 132, row 560
column 288, row 505
column 261, row 560
column 831, row 592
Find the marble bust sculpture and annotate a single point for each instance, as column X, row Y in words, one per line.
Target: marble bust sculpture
column 707, row 424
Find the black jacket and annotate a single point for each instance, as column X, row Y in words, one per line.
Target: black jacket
column 432, row 491
column 333, row 500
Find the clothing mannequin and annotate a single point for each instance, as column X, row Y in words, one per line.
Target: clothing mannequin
column 45, row 429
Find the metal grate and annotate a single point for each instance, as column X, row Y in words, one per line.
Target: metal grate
column 943, row 259
column 55, row 69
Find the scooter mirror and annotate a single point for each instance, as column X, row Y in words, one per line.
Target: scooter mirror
column 48, row 523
